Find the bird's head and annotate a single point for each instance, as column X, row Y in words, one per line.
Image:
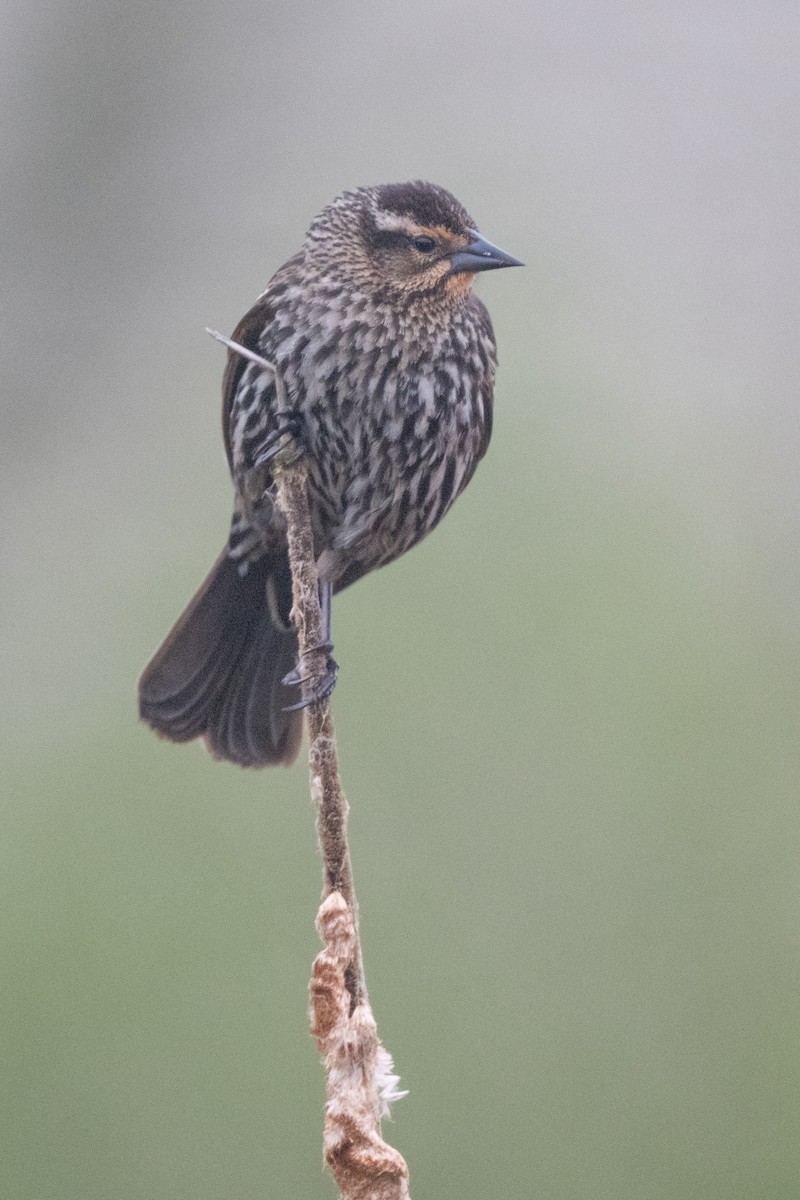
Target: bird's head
column 403, row 240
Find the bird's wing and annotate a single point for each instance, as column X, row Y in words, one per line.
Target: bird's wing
column 252, row 332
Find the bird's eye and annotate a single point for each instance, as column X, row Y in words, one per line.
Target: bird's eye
column 424, row 244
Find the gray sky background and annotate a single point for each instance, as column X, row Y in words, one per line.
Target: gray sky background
column 569, row 718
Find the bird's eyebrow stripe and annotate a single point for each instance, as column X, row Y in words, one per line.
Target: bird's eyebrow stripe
column 402, row 226
column 395, row 223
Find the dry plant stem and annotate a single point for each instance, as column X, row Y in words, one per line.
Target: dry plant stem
column 326, row 786
column 364, row 1165
column 359, row 1074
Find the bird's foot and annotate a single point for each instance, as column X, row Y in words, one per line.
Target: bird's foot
column 286, row 440
column 321, row 684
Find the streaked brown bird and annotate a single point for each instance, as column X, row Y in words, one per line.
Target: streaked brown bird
column 388, row 360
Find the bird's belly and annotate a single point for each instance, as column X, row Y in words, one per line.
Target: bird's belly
column 381, row 476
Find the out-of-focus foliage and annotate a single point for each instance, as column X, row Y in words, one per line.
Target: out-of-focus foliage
column 568, row 721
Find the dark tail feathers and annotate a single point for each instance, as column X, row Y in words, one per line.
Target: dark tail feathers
column 218, row 674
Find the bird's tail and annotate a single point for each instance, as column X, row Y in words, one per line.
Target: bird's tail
column 218, row 674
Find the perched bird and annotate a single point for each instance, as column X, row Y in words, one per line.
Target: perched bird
column 388, row 360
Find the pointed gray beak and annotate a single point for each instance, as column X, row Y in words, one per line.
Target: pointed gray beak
column 480, row 255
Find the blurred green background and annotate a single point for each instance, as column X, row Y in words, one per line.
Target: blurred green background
column 568, row 721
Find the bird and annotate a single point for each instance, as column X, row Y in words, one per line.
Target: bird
column 387, row 360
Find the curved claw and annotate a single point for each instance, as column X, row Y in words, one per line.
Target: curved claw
column 293, row 678
column 321, row 690
column 288, row 431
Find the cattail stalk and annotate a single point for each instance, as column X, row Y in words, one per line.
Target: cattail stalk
column 360, row 1078
column 361, row 1083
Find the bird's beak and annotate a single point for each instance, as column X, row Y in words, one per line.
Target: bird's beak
column 480, row 255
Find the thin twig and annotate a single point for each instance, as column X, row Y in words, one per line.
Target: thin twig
column 243, row 352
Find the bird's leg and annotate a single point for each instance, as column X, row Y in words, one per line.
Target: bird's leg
column 285, row 437
column 325, row 683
